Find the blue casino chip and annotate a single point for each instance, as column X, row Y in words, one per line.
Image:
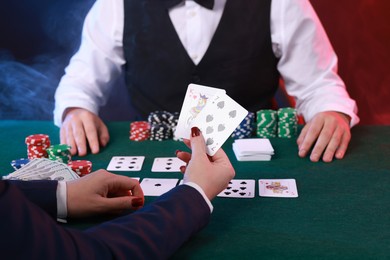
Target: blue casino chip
column 19, row 163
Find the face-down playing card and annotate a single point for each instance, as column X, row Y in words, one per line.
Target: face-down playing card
column 167, row 164
column 239, row 189
column 156, row 186
column 217, row 121
column 126, row 163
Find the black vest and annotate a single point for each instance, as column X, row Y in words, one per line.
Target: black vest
column 239, row 59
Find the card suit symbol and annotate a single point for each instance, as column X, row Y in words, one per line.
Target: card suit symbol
column 228, row 188
column 209, row 130
column 121, row 158
column 242, row 193
column 132, row 162
column 118, row 167
column 131, row 167
column 169, row 163
column 227, row 193
column 209, row 118
column 157, row 184
column 134, row 159
column 233, row 113
column 221, row 104
column 242, row 188
column 168, row 168
column 170, row 159
column 120, row 162
column 235, row 190
column 209, row 141
column 243, row 182
column 221, row 127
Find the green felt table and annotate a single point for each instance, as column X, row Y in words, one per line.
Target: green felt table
column 342, row 212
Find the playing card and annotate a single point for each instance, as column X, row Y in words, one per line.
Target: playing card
column 157, row 187
column 197, row 96
column 239, row 189
column 217, row 121
column 167, row 164
column 285, row 188
column 126, row 163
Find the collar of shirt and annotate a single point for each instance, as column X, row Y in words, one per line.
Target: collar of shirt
column 196, row 25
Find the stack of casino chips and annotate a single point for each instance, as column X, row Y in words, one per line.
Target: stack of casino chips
column 37, row 145
column 162, row 124
column 81, row 167
column 267, row 123
column 139, row 131
column 60, row 153
column 287, row 122
column 246, row 127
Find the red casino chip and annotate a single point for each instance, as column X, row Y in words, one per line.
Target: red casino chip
column 37, row 145
column 139, row 131
column 81, row 167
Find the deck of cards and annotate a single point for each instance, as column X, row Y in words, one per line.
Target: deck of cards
column 216, row 114
column 253, row 149
column 43, row 169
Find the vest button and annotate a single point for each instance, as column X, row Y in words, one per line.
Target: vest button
column 195, row 78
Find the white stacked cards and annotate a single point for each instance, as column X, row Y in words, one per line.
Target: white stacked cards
column 253, row 149
column 43, row 169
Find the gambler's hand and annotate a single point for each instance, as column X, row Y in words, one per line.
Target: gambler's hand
column 81, row 127
column 330, row 134
column 102, row 192
column 212, row 174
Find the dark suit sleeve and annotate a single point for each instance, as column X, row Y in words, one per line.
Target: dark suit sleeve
column 154, row 232
column 40, row 192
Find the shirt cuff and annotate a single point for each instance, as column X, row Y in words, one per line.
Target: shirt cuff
column 62, row 210
column 200, row 190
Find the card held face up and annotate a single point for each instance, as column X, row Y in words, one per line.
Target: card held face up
column 196, row 98
column 217, row 121
column 283, row 188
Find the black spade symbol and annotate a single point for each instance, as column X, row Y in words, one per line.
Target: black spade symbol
column 157, row 184
column 132, row 162
column 209, row 118
column 120, row 162
column 221, row 104
column 227, row 193
column 209, row 141
column 233, row 113
column 235, row 190
column 169, row 163
column 242, row 188
column 228, row 188
column 167, row 168
column 209, row 130
column 221, row 127
column 242, row 193
column 118, row 167
column 131, row 167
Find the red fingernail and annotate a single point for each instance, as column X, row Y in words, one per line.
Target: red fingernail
column 177, row 151
column 182, row 168
column 137, row 202
column 195, row 131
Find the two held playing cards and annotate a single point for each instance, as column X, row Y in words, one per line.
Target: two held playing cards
column 216, row 114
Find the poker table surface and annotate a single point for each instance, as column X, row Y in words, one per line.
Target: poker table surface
column 342, row 211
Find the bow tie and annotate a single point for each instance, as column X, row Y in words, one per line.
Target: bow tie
column 209, row 4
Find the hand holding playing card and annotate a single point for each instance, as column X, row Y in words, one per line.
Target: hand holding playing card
column 102, row 192
column 213, row 173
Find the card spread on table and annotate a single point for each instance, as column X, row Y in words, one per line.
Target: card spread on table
column 253, row 149
column 285, row 188
column 239, row 189
column 217, row 121
column 196, row 98
column 126, row 163
column 156, row 186
column 167, row 164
